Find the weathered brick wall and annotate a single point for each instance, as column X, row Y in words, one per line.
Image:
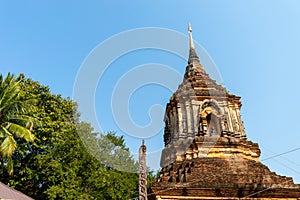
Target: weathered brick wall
column 223, row 177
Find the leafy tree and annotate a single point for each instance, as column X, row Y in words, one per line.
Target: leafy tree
column 58, row 165
column 151, row 176
column 119, row 182
column 14, row 123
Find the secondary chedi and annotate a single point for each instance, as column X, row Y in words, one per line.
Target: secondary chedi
column 207, row 154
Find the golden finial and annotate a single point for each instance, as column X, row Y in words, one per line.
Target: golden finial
column 189, row 28
column 191, row 37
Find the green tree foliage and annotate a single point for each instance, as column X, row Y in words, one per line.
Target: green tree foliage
column 109, row 149
column 58, row 166
column 14, row 123
column 151, row 176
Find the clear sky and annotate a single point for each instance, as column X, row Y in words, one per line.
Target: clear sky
column 254, row 44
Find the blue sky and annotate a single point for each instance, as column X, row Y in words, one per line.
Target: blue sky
column 254, row 44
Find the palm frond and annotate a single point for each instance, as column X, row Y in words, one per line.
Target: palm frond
column 23, row 117
column 3, row 132
column 8, row 146
column 13, row 122
column 20, row 132
column 24, row 120
column 1, row 79
column 9, row 91
column 10, row 166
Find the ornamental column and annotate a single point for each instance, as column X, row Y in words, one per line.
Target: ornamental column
column 142, row 173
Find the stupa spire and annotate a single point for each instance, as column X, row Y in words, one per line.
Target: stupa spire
column 191, row 36
column 193, row 55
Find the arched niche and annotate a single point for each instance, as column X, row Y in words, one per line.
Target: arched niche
column 210, row 118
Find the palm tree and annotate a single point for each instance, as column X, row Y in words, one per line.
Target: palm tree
column 13, row 123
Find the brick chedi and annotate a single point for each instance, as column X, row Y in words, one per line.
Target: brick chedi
column 207, row 154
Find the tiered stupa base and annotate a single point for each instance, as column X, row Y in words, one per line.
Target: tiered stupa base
column 229, row 170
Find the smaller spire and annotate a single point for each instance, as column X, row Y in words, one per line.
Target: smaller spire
column 193, row 55
column 142, row 172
